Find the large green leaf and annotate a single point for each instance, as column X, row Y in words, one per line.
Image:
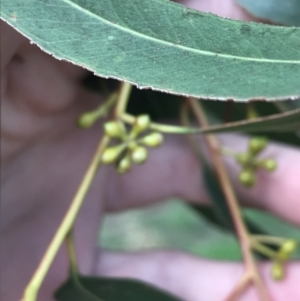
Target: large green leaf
column 285, row 12
column 165, row 46
column 109, row 289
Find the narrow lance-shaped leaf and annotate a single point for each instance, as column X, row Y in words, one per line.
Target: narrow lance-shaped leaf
column 165, row 46
column 220, row 214
column 283, row 122
column 285, row 12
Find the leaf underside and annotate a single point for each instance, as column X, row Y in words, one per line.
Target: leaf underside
column 165, row 46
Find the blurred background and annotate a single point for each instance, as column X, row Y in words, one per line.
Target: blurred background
column 174, row 224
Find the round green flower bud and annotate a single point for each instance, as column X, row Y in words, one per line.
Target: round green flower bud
column 243, row 158
column 132, row 145
column 140, row 125
column 277, row 271
column 270, row 164
column 143, row 122
column 139, row 155
column 289, row 246
column 86, row 120
column 111, row 154
column 124, row 165
column 115, row 129
column 153, row 139
column 247, row 177
column 257, row 144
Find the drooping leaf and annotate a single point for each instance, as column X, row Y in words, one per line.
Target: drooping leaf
column 213, row 187
column 285, row 106
column 286, row 12
column 209, row 214
column 165, row 46
column 225, row 112
column 219, row 214
column 109, row 289
column 283, row 122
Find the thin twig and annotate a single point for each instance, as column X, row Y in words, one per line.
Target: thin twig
column 75, row 275
column 264, row 250
column 232, row 201
column 222, row 174
column 123, row 97
column 164, row 128
column 240, row 287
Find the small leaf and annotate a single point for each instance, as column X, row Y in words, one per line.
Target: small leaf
column 109, row 289
column 165, row 46
column 208, row 213
column 286, row 12
column 219, row 214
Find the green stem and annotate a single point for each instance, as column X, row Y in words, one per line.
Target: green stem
column 268, row 239
column 75, row 276
column 104, row 108
column 164, row 128
column 71, row 252
column 66, row 225
column 222, row 174
column 87, row 119
column 264, row 250
column 123, row 98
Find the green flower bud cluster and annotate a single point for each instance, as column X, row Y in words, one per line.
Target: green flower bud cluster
column 250, row 163
column 284, row 253
column 132, row 148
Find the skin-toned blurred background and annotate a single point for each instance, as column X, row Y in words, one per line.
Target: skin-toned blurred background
column 175, row 225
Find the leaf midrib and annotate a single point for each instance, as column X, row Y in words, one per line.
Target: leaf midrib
column 203, row 52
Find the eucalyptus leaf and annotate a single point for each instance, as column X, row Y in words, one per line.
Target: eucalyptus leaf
column 284, row 106
column 221, row 210
column 286, row 12
column 283, row 122
column 208, row 213
column 219, row 214
column 165, row 46
column 211, row 216
column 109, row 289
